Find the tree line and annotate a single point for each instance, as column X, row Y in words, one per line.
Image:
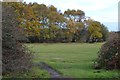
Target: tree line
column 41, row 23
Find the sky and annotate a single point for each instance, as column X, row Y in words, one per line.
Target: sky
column 105, row 11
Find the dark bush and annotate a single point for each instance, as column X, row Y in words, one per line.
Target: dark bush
column 109, row 54
column 15, row 58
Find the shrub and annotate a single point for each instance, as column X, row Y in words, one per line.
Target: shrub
column 15, row 58
column 109, row 54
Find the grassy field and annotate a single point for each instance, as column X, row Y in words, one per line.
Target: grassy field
column 71, row 59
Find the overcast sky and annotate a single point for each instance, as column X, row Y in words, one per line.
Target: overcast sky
column 101, row 10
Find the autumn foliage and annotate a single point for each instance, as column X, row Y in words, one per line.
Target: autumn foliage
column 41, row 23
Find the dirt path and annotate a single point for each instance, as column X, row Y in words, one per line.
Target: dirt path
column 53, row 72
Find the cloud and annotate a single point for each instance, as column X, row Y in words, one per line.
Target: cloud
column 101, row 10
column 86, row 5
column 106, row 16
column 80, row 4
column 110, row 18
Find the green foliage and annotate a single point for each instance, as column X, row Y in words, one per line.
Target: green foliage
column 96, row 31
column 105, row 32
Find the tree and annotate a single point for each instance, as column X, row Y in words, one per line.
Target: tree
column 105, row 32
column 41, row 11
column 46, row 23
column 94, row 30
column 48, row 20
column 27, row 19
column 75, row 18
column 70, row 30
column 75, row 15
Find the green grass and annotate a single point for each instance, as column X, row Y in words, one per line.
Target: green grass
column 34, row 72
column 38, row 73
column 71, row 59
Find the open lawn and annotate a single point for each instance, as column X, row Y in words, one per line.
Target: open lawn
column 70, row 59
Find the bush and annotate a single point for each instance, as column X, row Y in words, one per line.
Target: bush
column 109, row 54
column 15, row 58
